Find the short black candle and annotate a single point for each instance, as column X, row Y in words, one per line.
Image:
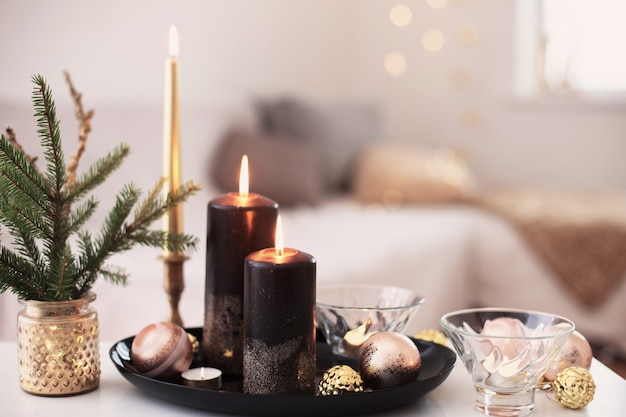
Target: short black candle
column 279, row 323
column 237, row 226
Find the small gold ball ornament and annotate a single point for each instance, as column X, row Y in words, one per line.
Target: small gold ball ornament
column 432, row 335
column 195, row 345
column 574, row 387
column 340, row 379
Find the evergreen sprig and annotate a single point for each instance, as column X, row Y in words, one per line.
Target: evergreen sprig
column 53, row 256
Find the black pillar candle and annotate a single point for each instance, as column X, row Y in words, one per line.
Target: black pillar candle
column 279, row 323
column 237, row 225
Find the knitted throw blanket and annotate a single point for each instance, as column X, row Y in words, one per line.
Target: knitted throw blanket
column 581, row 237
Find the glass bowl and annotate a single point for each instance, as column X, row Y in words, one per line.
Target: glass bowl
column 349, row 313
column 506, row 352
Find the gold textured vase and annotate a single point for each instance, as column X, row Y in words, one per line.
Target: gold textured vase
column 58, row 347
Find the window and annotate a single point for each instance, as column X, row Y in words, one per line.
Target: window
column 579, row 45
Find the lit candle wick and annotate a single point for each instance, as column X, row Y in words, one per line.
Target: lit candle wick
column 280, row 245
column 244, row 187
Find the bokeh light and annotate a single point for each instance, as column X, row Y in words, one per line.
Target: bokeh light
column 400, row 15
column 436, row 4
column 395, row 63
column 433, row 40
column 467, row 35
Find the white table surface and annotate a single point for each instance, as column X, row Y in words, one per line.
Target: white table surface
column 118, row 397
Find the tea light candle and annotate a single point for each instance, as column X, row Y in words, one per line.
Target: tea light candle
column 209, row 378
column 279, row 321
column 238, row 224
column 353, row 339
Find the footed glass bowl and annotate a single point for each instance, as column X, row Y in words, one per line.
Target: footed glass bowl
column 349, row 313
column 506, row 352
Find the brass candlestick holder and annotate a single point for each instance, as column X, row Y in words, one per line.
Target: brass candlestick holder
column 174, row 283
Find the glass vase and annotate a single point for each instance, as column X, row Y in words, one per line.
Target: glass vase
column 58, row 347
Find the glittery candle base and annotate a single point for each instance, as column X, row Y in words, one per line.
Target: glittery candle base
column 222, row 345
column 283, row 369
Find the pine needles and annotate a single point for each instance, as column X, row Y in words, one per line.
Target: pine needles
column 53, row 256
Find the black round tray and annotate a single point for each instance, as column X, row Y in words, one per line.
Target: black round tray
column 437, row 363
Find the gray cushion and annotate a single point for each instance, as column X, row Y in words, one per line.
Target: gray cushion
column 337, row 132
column 283, row 170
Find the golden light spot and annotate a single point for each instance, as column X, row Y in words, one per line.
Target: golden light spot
column 400, row 15
column 228, row 353
column 467, row 35
column 436, row 4
column 433, row 40
column 395, row 63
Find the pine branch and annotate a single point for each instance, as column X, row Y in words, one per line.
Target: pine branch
column 79, row 216
column 17, row 217
column 174, row 242
column 20, row 179
column 115, row 275
column 48, row 125
column 48, row 130
column 24, row 235
column 12, row 138
column 150, row 204
column 111, row 239
column 84, row 128
column 44, row 211
column 97, row 173
column 64, row 271
column 154, row 207
column 17, row 276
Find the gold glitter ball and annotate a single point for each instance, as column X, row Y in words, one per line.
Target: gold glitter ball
column 195, row 345
column 340, row 379
column 574, row 387
column 432, row 335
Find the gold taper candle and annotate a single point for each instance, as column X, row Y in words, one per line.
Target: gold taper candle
column 173, row 221
column 174, row 282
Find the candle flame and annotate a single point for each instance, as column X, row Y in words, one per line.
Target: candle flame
column 280, row 245
column 173, row 41
column 244, row 183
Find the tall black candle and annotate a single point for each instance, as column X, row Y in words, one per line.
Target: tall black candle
column 238, row 224
column 279, row 322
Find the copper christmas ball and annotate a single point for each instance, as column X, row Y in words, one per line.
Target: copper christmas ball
column 576, row 352
column 161, row 351
column 388, row 359
column 340, row 379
